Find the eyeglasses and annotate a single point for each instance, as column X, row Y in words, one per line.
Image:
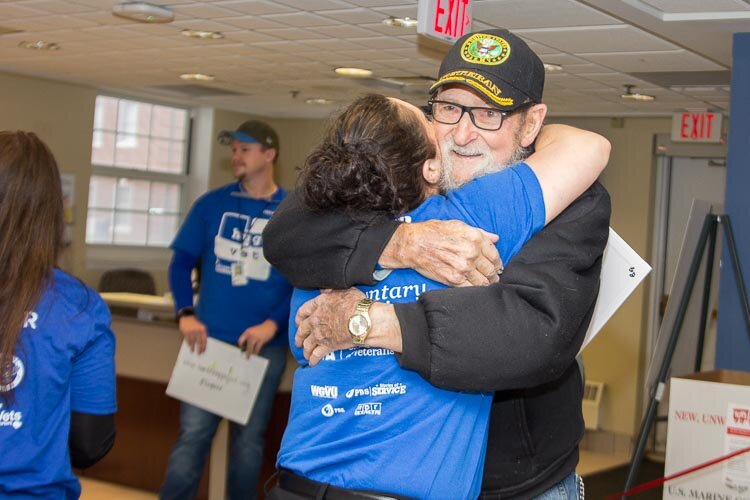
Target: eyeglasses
column 451, row 113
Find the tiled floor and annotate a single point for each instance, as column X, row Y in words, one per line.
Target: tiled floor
column 98, row 490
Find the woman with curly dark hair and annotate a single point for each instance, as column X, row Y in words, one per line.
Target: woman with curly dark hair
column 358, row 421
column 57, row 375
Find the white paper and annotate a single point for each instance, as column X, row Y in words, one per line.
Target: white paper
column 221, row 380
column 737, row 437
column 622, row 271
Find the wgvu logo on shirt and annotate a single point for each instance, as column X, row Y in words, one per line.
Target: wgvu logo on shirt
column 324, row 391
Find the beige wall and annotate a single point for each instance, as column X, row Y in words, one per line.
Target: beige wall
column 62, row 115
column 615, row 356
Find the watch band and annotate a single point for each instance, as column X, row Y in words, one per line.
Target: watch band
column 185, row 311
column 361, row 314
column 363, row 306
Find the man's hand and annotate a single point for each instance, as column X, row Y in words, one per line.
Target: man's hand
column 322, row 323
column 194, row 332
column 450, row 252
column 256, row 337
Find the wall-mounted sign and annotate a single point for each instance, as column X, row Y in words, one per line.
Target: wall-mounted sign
column 446, row 20
column 696, row 126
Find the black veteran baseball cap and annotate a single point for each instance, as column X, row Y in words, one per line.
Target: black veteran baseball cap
column 251, row 131
column 498, row 65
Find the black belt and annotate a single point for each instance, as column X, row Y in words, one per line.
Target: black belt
column 303, row 486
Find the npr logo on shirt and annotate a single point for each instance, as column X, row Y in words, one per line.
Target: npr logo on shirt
column 368, row 409
column 696, row 126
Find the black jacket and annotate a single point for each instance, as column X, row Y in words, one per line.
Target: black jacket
column 518, row 338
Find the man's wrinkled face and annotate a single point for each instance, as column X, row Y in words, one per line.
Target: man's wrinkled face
column 468, row 151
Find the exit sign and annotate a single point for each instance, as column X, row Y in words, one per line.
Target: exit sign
column 696, row 126
column 446, row 20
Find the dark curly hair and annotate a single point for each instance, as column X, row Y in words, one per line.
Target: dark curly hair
column 370, row 160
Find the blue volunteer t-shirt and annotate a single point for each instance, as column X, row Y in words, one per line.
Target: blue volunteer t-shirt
column 239, row 288
column 65, row 361
column 359, row 421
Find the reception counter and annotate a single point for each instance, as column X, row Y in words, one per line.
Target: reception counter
column 147, row 419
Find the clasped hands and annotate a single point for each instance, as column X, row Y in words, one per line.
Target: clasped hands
column 252, row 340
column 449, row 252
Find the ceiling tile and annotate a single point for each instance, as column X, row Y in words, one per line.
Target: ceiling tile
column 255, row 8
column 592, row 39
column 354, row 16
column 522, row 14
column 672, row 60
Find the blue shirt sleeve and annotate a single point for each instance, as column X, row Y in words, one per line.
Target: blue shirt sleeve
column 180, row 268
column 92, row 388
column 190, row 237
column 280, row 313
column 509, row 203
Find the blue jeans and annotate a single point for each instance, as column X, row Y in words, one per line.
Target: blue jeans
column 197, row 429
column 567, row 489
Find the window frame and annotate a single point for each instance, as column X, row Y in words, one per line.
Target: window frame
column 181, row 180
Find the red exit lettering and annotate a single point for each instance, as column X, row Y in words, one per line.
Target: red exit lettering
column 696, row 125
column 454, row 20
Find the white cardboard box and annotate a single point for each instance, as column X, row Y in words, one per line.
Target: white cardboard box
column 709, row 417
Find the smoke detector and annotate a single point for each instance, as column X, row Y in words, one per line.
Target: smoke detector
column 143, row 12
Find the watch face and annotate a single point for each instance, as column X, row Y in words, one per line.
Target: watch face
column 358, row 325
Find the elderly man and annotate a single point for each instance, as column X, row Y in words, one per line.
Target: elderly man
column 518, row 337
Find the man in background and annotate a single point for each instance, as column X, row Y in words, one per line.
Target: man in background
column 242, row 301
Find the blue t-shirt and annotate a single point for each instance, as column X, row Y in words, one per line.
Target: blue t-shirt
column 239, row 288
column 65, row 361
column 359, row 421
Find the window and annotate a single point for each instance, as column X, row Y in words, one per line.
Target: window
column 138, row 153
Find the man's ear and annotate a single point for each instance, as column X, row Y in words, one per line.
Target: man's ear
column 533, row 124
column 271, row 154
column 431, row 171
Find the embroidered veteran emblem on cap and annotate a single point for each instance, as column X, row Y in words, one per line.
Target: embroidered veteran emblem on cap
column 498, row 65
column 482, row 48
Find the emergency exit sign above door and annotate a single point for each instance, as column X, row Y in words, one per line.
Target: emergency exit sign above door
column 696, row 126
column 445, row 20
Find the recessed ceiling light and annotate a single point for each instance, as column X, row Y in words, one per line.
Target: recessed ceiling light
column 635, row 96
column 143, row 12
column 552, row 67
column 39, row 45
column 400, row 22
column 201, row 77
column 353, row 72
column 203, row 35
column 318, row 101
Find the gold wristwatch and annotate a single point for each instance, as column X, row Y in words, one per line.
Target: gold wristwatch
column 360, row 323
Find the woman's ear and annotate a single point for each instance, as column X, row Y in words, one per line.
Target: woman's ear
column 533, row 123
column 431, row 171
